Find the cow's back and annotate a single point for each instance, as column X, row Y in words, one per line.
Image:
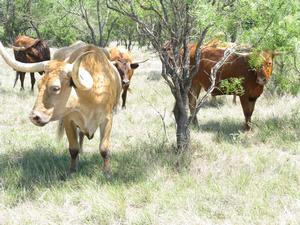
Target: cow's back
column 235, row 67
column 36, row 50
column 107, row 84
column 65, row 52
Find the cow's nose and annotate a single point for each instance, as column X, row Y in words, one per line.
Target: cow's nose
column 126, row 82
column 261, row 80
column 37, row 118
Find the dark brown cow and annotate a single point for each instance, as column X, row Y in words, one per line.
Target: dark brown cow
column 29, row 50
column 124, row 63
column 237, row 66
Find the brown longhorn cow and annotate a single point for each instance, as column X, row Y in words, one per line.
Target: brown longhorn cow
column 237, row 66
column 29, row 50
column 81, row 92
column 123, row 61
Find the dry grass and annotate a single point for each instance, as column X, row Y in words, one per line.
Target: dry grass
column 230, row 177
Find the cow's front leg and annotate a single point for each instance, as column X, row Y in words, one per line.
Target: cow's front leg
column 248, row 104
column 124, row 96
column 74, row 146
column 105, row 129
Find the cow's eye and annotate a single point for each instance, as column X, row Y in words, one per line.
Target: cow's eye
column 55, row 89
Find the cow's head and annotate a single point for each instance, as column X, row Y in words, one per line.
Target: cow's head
column 265, row 72
column 125, row 69
column 53, row 100
column 265, row 68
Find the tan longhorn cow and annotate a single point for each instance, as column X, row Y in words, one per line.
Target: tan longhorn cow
column 81, row 92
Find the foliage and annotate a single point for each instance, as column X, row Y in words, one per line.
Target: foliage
column 286, row 75
column 232, row 86
column 256, row 60
column 62, row 22
column 261, row 25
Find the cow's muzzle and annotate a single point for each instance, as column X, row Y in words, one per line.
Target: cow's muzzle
column 261, row 80
column 125, row 82
column 38, row 118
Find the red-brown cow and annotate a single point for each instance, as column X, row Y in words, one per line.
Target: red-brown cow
column 29, row 50
column 237, row 66
column 124, row 63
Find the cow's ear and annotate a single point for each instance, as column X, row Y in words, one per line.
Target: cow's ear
column 134, row 65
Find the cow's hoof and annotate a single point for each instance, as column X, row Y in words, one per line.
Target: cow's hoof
column 72, row 170
column 107, row 173
column 247, row 128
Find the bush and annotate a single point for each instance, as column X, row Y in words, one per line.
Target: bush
column 285, row 79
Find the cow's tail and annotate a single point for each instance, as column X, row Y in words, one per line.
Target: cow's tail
column 60, row 130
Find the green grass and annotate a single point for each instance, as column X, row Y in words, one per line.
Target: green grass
column 228, row 177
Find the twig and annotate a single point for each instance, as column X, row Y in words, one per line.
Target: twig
column 162, row 117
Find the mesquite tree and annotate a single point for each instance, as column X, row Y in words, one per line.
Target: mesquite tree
column 94, row 20
column 168, row 25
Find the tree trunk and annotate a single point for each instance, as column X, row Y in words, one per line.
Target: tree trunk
column 182, row 129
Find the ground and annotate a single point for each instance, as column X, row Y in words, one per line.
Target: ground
column 228, row 177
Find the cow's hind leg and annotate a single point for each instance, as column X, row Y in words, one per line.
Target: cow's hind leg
column 74, row 146
column 22, row 78
column 32, row 80
column 105, row 129
column 248, row 105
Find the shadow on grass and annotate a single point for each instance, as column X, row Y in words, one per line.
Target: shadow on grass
column 47, row 167
column 276, row 129
column 224, row 130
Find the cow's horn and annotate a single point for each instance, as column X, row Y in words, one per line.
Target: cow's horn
column 276, row 52
column 22, row 67
column 107, row 53
column 18, row 49
column 242, row 54
column 139, row 62
column 81, row 77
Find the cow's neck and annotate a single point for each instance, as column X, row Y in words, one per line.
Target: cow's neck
column 86, row 113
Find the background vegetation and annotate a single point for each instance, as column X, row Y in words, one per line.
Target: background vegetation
column 264, row 24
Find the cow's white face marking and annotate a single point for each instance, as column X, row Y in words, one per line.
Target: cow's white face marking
column 54, row 92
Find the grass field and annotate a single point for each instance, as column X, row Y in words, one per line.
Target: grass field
column 229, row 177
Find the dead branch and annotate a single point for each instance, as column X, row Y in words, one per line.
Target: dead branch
column 162, row 117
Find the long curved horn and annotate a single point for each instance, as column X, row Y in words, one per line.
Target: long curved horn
column 18, row 49
column 81, row 77
column 142, row 61
column 19, row 66
column 276, row 52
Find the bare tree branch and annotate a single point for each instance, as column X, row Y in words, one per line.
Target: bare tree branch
column 213, row 76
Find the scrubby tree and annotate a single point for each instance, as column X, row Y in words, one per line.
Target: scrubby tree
column 168, row 25
column 91, row 19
